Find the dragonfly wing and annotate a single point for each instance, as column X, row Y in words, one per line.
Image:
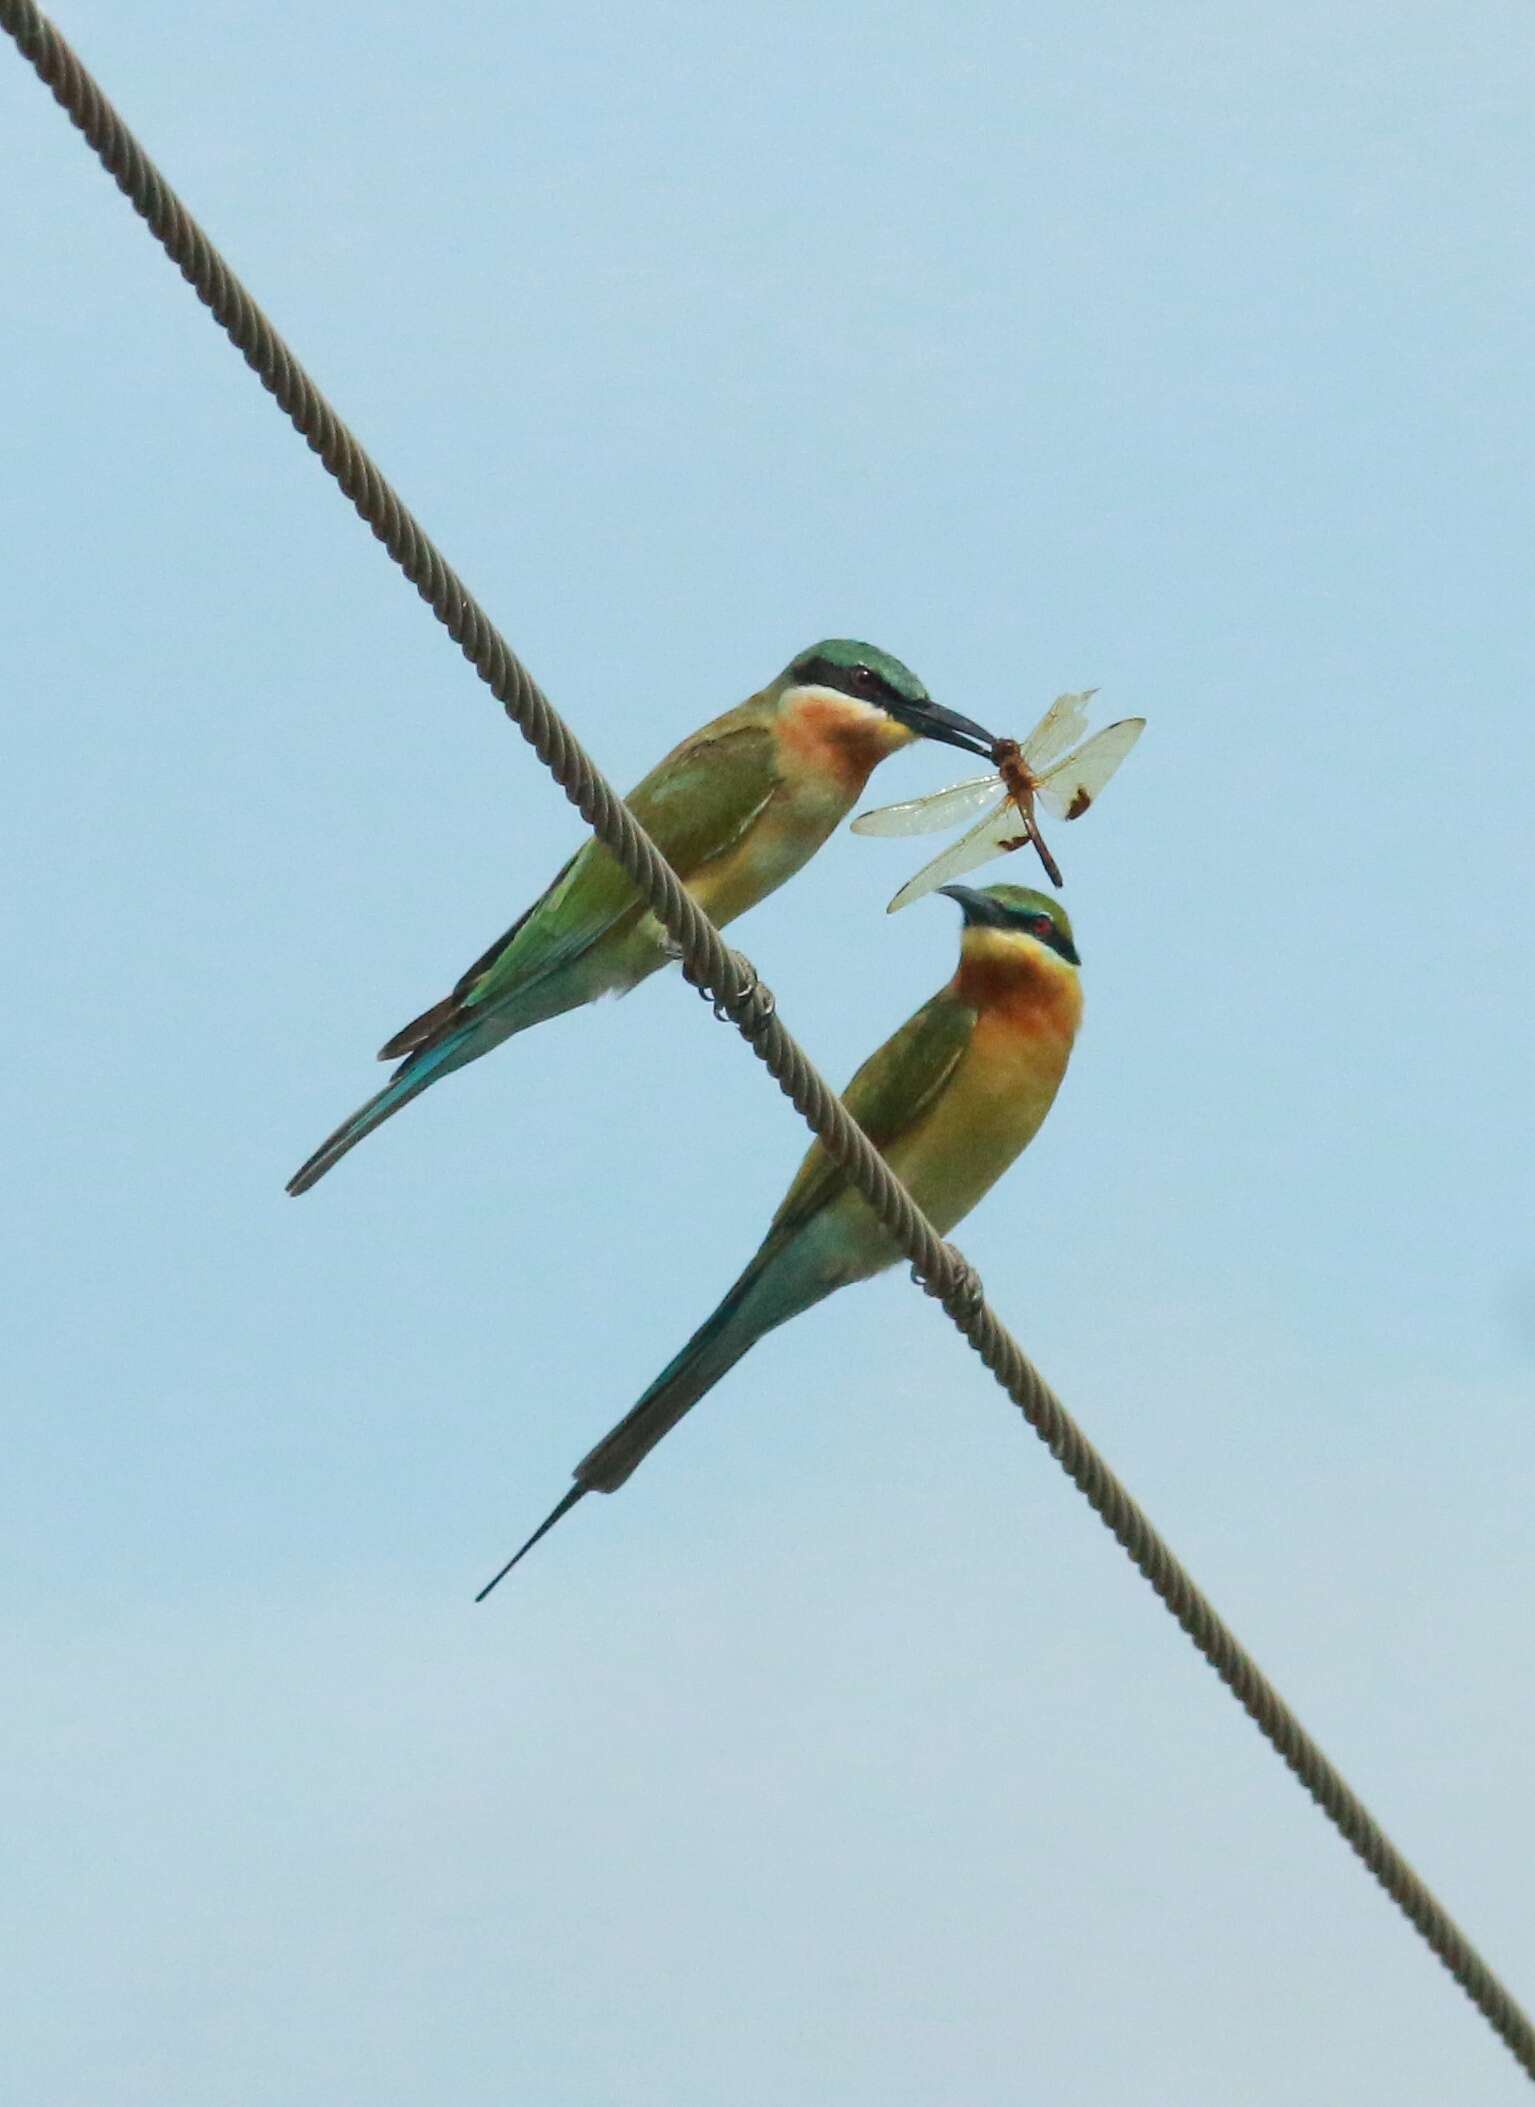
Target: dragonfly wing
column 1064, row 721
column 1000, row 830
column 1072, row 784
column 932, row 814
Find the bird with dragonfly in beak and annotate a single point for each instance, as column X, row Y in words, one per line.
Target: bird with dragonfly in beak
column 736, row 810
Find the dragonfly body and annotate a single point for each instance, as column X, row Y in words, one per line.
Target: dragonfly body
column 1020, row 785
column 951, row 1100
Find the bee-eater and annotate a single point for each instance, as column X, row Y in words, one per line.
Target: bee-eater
column 958, row 1092
column 736, row 809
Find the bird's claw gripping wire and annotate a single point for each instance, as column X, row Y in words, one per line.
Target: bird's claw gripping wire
column 748, row 1005
column 954, row 1284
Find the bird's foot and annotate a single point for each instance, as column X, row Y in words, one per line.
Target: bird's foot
column 954, row 1284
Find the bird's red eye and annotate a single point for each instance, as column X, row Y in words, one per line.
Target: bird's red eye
column 1042, row 925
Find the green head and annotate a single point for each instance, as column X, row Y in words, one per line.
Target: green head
column 866, row 674
column 1017, row 907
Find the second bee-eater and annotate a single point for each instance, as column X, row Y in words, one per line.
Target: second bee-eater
column 736, row 809
column 949, row 1102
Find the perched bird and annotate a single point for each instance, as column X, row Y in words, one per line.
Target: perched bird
column 949, row 1102
column 736, row 809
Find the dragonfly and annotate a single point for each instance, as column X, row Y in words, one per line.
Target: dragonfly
column 1039, row 771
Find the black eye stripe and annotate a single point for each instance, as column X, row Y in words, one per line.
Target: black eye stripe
column 1047, row 932
column 859, row 679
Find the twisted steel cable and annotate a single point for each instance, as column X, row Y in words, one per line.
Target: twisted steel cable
column 739, row 997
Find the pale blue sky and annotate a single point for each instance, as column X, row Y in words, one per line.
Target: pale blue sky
column 1182, row 350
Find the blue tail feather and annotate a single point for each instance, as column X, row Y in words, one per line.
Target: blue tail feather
column 783, row 1279
column 408, row 1081
column 712, row 1352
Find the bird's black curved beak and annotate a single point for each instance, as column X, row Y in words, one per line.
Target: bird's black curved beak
column 976, row 906
column 933, row 721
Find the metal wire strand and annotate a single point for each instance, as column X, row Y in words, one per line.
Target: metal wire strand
column 740, row 998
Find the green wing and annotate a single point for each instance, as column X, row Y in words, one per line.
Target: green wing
column 695, row 805
column 889, row 1094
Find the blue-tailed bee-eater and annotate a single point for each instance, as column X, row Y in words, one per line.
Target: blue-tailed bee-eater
column 736, row 809
column 949, row 1101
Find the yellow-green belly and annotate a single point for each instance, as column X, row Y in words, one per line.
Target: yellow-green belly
column 950, row 1160
column 794, row 825
column 990, row 1112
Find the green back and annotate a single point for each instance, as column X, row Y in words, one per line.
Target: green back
column 889, row 1094
column 695, row 805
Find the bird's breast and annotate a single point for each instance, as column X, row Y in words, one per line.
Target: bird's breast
column 1002, row 1089
column 1028, row 1004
